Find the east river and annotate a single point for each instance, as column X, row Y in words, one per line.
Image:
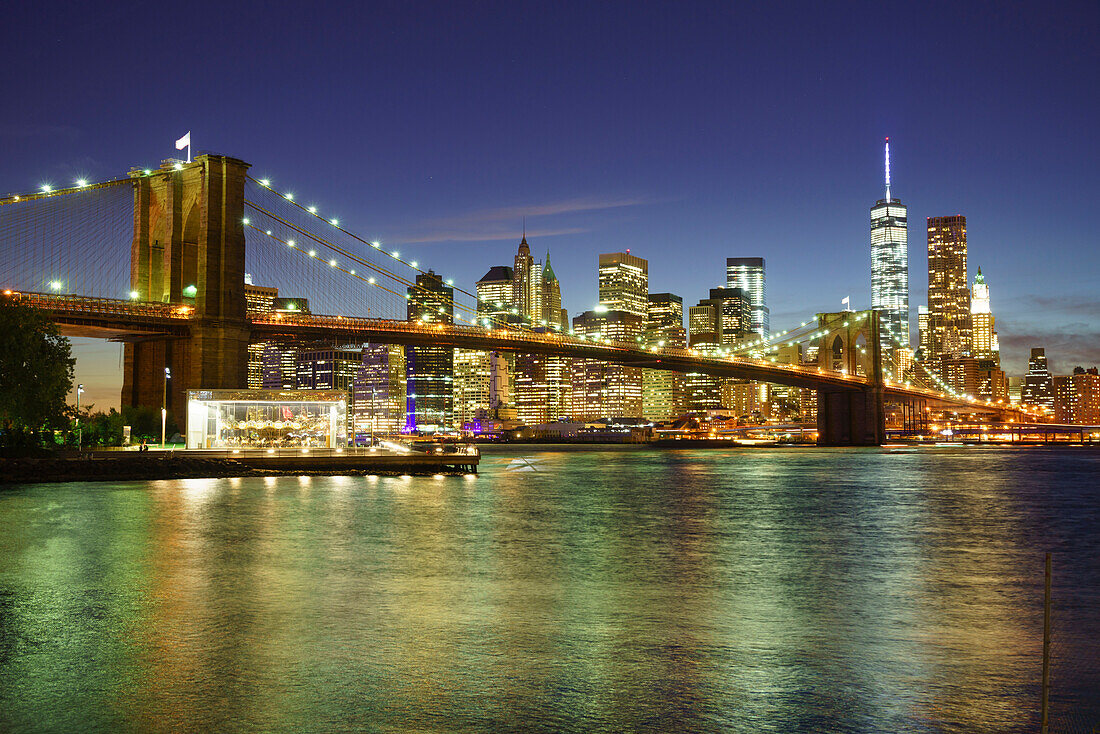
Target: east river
column 617, row 589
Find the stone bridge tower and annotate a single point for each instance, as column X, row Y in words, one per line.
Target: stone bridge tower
column 188, row 249
column 851, row 344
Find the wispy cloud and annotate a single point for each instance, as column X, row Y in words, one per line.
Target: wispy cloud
column 1078, row 304
column 486, row 235
column 567, row 206
column 503, row 223
column 1067, row 346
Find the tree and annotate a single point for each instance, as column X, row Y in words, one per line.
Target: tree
column 36, row 368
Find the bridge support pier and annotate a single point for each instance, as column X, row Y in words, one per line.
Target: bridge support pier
column 214, row 356
column 188, row 249
column 852, row 345
column 851, row 418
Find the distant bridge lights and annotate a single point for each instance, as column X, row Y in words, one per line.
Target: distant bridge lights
column 55, row 285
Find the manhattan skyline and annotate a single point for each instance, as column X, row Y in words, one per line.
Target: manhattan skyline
column 686, row 139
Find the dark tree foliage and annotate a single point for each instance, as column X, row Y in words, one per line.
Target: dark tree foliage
column 36, row 369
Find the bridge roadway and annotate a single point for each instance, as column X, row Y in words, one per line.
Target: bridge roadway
column 133, row 321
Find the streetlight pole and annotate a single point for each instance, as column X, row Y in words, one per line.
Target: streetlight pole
column 79, row 428
column 164, row 405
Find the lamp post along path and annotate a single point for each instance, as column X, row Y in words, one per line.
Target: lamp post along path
column 164, row 405
column 79, row 428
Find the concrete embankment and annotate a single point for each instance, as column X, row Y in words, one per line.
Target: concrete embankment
column 122, row 466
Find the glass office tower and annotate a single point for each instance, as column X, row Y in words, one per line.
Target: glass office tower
column 890, row 266
column 747, row 273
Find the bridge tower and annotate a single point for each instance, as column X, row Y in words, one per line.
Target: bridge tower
column 852, row 345
column 188, row 249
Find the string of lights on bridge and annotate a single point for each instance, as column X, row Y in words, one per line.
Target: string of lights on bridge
column 334, row 222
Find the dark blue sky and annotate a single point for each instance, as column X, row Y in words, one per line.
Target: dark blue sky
column 686, row 132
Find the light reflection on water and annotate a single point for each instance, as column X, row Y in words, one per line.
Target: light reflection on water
column 611, row 590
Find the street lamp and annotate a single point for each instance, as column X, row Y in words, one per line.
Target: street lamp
column 164, row 405
column 79, row 428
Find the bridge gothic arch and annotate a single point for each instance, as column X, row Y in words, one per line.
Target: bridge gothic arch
column 850, row 344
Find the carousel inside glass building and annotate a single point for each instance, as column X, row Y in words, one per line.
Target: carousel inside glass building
column 253, row 419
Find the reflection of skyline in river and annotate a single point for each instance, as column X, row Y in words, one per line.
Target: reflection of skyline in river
column 766, row 591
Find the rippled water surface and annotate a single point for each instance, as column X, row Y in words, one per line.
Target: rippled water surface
column 560, row 590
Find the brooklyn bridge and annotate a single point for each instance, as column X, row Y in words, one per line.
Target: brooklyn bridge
column 158, row 260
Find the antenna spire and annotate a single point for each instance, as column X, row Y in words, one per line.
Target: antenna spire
column 887, row 170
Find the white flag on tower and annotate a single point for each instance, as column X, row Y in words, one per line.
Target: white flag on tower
column 185, row 142
column 846, row 301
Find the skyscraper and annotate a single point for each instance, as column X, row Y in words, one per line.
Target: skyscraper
column 747, row 273
column 471, row 385
column 429, row 370
column 1077, row 397
column 890, row 266
column 703, row 391
column 982, row 324
column 549, row 298
column 260, row 300
column 379, row 391
column 1038, row 389
column 948, row 289
column 663, row 391
column 733, row 309
column 624, row 283
column 924, row 334
column 521, row 280
column 495, row 303
column 329, row 368
column 494, row 294
column 601, row 389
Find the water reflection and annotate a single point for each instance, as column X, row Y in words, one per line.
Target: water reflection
column 690, row 591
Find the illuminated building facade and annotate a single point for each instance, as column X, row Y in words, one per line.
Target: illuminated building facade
column 494, row 293
column 328, row 368
column 983, row 333
column 890, row 266
column 624, row 284
column 600, row 389
column 924, row 334
column 961, row 374
column 703, row 392
column 429, row 371
column 280, row 362
column 549, row 312
column 747, row 273
column 543, row 388
column 259, row 300
column 378, row 393
column 522, row 279
column 495, row 306
column 733, row 314
column 744, row 397
column 1077, row 397
column 663, row 391
column 471, row 385
column 948, row 289
column 1038, row 387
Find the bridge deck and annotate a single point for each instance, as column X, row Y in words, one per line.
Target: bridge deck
column 130, row 320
